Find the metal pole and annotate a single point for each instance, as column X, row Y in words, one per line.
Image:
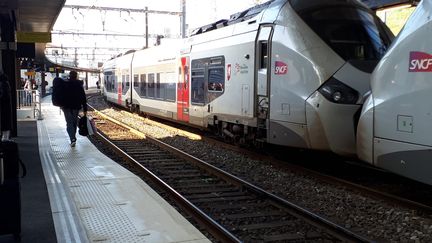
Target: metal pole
column 43, row 87
column 86, row 81
column 183, row 21
column 146, row 26
column 9, row 61
column 76, row 58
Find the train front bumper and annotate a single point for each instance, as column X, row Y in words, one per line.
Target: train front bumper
column 331, row 126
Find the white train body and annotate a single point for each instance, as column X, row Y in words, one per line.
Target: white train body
column 394, row 131
column 292, row 73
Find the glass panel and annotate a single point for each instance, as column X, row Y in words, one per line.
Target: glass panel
column 352, row 32
column 216, row 79
column 151, row 85
column 264, row 55
column 136, row 81
column 159, row 89
column 170, row 87
column 197, row 91
column 143, row 86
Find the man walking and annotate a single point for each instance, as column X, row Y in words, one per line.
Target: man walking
column 74, row 100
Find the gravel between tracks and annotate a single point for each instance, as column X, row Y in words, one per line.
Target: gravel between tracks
column 378, row 220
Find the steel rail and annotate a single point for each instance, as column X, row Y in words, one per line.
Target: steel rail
column 212, row 226
column 321, row 176
column 299, row 212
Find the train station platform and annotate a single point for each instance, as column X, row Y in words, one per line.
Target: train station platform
column 77, row 194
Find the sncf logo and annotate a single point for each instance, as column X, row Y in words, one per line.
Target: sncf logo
column 420, row 62
column 280, row 68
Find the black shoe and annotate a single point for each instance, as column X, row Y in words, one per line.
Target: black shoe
column 73, row 143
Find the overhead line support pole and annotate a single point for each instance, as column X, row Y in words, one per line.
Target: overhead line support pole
column 146, row 26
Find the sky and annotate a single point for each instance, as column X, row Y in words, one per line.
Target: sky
column 198, row 13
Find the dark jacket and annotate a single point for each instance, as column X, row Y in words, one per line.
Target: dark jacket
column 5, row 104
column 75, row 97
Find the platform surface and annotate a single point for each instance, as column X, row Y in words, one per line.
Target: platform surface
column 94, row 199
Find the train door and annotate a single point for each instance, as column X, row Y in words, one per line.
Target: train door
column 262, row 76
column 183, row 90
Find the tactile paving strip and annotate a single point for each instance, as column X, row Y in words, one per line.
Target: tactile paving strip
column 98, row 211
column 96, row 202
column 101, row 191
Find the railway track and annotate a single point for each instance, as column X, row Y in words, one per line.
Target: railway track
column 369, row 180
column 336, row 197
column 232, row 209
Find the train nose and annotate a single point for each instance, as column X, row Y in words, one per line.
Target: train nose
column 331, row 126
column 333, row 110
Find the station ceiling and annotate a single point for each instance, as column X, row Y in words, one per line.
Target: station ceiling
column 38, row 15
column 33, row 16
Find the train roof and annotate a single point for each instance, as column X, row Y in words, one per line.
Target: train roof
column 297, row 5
column 234, row 18
column 305, row 5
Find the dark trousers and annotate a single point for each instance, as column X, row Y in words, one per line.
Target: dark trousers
column 71, row 116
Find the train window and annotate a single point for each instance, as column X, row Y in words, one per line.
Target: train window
column 351, row 31
column 197, row 81
column 159, row 89
column 151, row 85
column 136, row 81
column 263, row 55
column 197, row 90
column 170, row 88
column 113, row 82
column 108, row 84
column 216, row 80
column 207, row 79
column 127, row 81
column 143, row 85
column 123, row 84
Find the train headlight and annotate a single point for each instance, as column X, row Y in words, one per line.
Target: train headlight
column 337, row 96
column 338, row 92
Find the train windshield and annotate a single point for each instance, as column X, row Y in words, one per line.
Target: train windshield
column 351, row 31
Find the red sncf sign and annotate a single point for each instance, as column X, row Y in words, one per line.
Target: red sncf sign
column 281, row 68
column 420, row 62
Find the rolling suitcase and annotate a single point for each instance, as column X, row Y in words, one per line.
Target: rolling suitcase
column 10, row 198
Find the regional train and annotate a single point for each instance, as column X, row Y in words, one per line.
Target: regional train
column 395, row 127
column 287, row 72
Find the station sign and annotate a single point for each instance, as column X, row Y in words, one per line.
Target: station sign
column 30, row 73
column 55, row 69
column 33, row 37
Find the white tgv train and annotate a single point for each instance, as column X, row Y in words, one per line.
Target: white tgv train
column 286, row 72
column 395, row 128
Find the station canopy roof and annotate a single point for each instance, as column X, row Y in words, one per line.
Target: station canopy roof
column 33, row 16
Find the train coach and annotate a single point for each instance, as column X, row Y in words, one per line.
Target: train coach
column 287, row 72
column 394, row 130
